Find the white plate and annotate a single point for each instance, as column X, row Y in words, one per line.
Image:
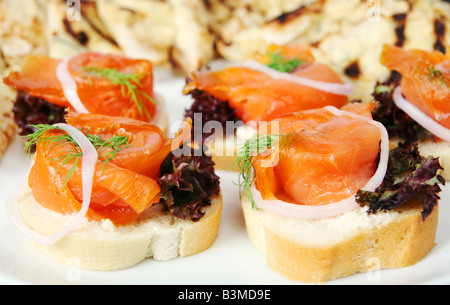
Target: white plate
column 231, row 260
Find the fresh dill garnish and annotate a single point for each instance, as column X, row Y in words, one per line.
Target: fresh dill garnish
column 129, row 84
column 281, row 64
column 246, row 157
column 107, row 149
column 437, row 74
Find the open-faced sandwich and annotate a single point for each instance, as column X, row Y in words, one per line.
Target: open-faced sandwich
column 110, row 192
column 414, row 101
column 324, row 196
column 286, row 79
column 86, row 83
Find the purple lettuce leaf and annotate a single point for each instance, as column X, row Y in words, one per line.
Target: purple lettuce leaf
column 409, row 176
column 187, row 185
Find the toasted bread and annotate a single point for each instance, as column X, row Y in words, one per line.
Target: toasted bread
column 317, row 251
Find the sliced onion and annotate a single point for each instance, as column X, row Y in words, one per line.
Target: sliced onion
column 69, row 86
column 443, row 66
column 283, row 208
column 335, row 88
column 419, row 116
column 89, row 161
column 379, row 175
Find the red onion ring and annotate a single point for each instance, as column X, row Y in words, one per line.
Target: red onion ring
column 290, row 210
column 419, row 116
column 89, row 161
column 442, row 66
column 335, row 88
column 69, row 86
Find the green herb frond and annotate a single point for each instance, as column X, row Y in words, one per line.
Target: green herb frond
column 35, row 137
column 129, row 84
column 437, row 74
column 107, row 149
column 281, row 64
column 247, row 154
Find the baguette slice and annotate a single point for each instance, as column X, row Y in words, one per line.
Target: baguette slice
column 102, row 246
column 316, row 251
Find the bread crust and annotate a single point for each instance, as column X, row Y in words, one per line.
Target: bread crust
column 103, row 247
column 398, row 241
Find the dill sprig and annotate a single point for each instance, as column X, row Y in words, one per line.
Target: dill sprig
column 437, row 74
column 246, row 157
column 107, row 149
column 129, row 85
column 281, row 64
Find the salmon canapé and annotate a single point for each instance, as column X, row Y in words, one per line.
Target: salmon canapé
column 425, row 79
column 256, row 96
column 125, row 177
column 322, row 158
column 106, row 84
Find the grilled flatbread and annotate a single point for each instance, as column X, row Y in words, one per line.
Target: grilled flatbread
column 346, row 34
column 193, row 45
column 70, row 29
column 172, row 31
column 21, row 29
column 142, row 29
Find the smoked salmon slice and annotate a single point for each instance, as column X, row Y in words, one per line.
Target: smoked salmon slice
column 425, row 79
column 322, row 158
column 123, row 188
column 106, row 84
column 257, row 96
column 144, row 140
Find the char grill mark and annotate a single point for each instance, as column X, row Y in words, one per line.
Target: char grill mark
column 81, row 37
column 316, row 7
column 88, row 12
column 353, row 70
column 439, row 31
column 400, row 19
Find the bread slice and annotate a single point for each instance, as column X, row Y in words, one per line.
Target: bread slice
column 316, row 251
column 102, row 246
